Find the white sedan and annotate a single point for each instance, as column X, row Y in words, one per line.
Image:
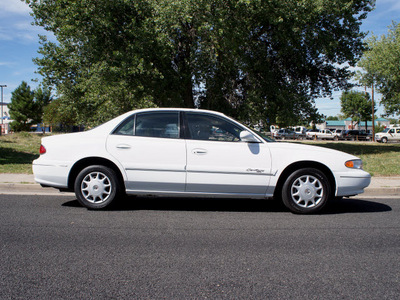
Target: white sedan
column 189, row 152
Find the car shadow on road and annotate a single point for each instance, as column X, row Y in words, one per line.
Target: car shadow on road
column 191, row 204
column 346, row 205
column 355, row 205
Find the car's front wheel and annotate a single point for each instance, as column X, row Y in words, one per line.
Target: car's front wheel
column 97, row 187
column 384, row 140
column 306, row 191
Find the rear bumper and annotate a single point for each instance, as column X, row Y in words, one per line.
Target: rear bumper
column 51, row 175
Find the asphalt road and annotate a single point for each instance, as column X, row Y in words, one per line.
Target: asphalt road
column 51, row 248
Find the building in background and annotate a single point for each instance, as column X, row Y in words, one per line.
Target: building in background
column 348, row 124
column 5, row 119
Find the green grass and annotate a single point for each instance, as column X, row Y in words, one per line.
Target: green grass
column 18, row 150
column 379, row 159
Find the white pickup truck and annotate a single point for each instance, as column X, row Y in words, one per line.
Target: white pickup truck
column 389, row 134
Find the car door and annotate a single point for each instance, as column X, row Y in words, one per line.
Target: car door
column 149, row 147
column 218, row 162
column 391, row 134
column 397, row 134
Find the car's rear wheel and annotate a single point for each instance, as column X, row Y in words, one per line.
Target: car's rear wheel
column 97, row 187
column 306, row 191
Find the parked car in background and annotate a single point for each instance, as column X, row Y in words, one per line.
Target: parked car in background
column 325, row 134
column 300, row 131
column 190, row 152
column 356, row 135
column 285, row 134
column 388, row 135
column 338, row 133
column 311, row 134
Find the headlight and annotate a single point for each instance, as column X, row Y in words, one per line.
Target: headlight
column 354, row 164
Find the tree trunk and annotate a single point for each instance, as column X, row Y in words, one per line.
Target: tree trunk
column 188, row 93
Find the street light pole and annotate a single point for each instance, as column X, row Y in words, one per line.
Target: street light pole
column 2, row 86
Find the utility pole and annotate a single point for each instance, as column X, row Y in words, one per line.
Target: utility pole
column 373, row 114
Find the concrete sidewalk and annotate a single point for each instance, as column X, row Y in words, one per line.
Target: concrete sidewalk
column 25, row 184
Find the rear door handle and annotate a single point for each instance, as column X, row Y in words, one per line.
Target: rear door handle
column 123, row 146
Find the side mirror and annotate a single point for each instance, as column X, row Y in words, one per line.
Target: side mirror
column 247, row 137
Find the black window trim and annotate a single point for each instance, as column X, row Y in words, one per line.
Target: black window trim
column 114, row 132
column 183, row 125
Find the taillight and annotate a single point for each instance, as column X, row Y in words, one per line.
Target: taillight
column 42, row 149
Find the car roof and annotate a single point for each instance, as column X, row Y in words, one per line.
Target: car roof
column 195, row 110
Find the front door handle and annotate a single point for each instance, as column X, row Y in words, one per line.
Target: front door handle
column 123, row 146
column 199, row 151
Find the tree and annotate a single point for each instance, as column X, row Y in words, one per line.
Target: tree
column 26, row 108
column 357, row 106
column 42, row 98
column 394, row 121
column 56, row 114
column 23, row 109
column 254, row 60
column 332, row 118
column 380, row 65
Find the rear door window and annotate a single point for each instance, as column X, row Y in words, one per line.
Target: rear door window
column 152, row 124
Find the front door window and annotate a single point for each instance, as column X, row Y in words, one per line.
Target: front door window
column 210, row 128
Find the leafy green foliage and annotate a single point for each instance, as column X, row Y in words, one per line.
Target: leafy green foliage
column 59, row 116
column 357, row 106
column 381, row 68
column 23, row 109
column 254, row 60
column 394, row 121
column 26, row 108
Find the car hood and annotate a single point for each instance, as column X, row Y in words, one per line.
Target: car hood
column 309, row 151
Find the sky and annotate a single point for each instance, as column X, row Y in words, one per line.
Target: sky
column 19, row 44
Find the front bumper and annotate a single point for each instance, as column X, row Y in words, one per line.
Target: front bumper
column 350, row 184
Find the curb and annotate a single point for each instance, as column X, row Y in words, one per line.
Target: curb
column 381, row 192
column 28, row 189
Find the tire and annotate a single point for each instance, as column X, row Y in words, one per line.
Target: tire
column 384, row 140
column 97, row 187
column 306, row 191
